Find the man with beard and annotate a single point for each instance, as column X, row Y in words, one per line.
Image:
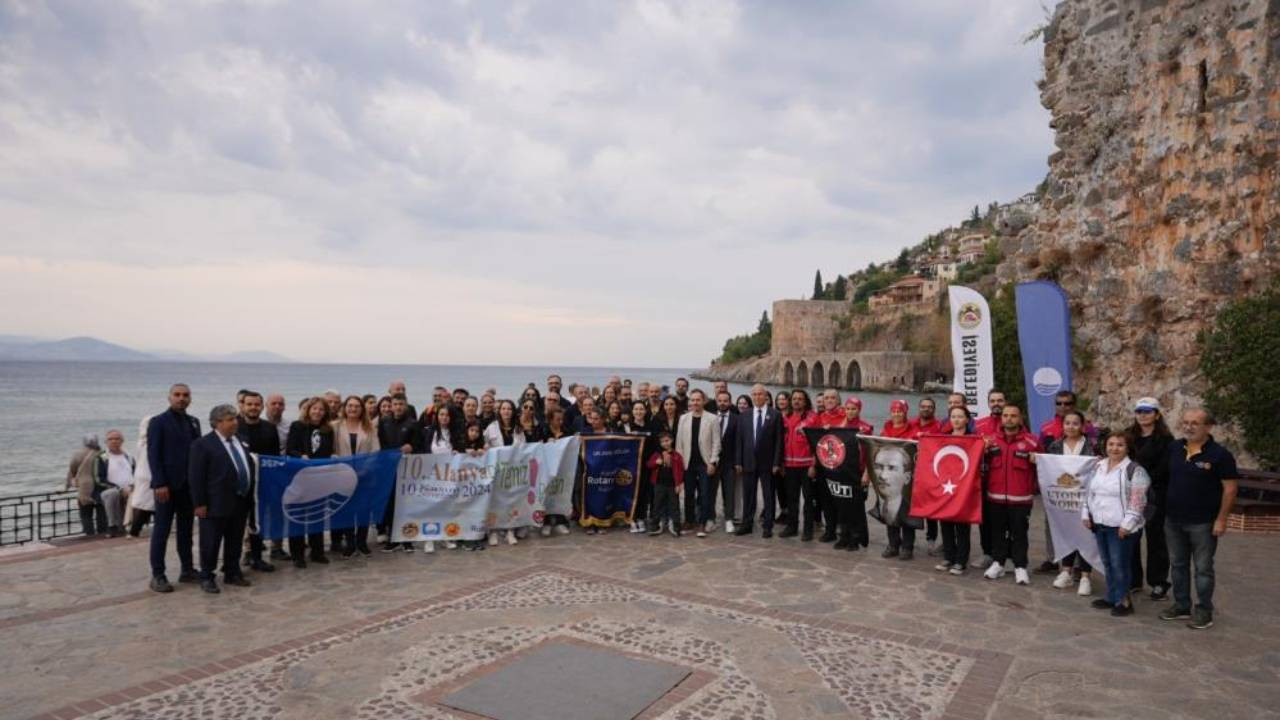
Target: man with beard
column 262, row 438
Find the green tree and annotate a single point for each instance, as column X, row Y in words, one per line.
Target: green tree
column 742, row 347
column 903, row 263
column 840, row 289
column 765, row 327
column 817, row 285
column 1005, row 351
column 1237, row 356
column 975, row 216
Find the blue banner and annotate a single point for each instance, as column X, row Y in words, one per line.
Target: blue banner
column 611, row 478
column 298, row 497
column 1044, row 335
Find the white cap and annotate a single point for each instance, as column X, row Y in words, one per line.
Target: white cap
column 1147, row 403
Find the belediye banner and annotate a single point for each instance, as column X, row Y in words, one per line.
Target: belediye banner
column 463, row 497
column 971, row 347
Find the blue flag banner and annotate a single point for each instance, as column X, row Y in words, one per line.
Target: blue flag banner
column 298, row 497
column 611, row 478
column 1044, row 335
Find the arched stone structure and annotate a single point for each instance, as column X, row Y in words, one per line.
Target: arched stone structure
column 834, row 378
column 817, row 375
column 802, row 374
column 874, row 370
column 789, row 375
column 853, row 376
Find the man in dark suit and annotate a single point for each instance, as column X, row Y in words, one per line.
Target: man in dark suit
column 759, row 459
column 221, row 478
column 726, row 477
column 262, row 439
column 169, row 438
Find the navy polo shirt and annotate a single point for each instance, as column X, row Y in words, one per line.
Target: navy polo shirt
column 1195, row 483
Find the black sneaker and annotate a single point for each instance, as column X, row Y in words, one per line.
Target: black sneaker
column 210, row 586
column 300, row 563
column 1121, row 610
column 1100, row 604
column 907, row 554
column 889, row 552
column 348, row 552
column 320, row 559
column 1048, row 567
column 1175, row 613
column 189, row 576
column 278, row 554
column 160, row 584
column 1201, row 620
column 828, row 536
column 364, row 550
column 391, row 547
column 1159, row 592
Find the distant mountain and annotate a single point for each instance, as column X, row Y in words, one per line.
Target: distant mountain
column 17, row 347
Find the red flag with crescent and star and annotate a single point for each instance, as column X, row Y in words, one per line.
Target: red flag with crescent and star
column 947, row 481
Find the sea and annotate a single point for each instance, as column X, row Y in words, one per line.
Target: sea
column 47, row 407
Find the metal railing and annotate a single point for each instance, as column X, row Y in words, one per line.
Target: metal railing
column 36, row 517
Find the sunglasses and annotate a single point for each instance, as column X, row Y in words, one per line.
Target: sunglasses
column 1064, row 403
column 1144, row 411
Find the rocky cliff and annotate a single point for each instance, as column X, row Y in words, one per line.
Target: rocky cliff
column 1161, row 201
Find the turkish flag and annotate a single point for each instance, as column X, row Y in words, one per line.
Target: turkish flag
column 947, row 485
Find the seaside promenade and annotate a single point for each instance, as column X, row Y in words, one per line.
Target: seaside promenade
column 717, row 628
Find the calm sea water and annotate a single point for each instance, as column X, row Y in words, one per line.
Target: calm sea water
column 46, row 407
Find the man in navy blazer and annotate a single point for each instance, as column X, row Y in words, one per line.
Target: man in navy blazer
column 221, row 478
column 169, row 438
column 759, row 459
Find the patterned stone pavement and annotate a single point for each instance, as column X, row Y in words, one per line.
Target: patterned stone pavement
column 770, row 629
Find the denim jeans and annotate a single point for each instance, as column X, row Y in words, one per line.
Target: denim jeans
column 1187, row 544
column 1117, row 554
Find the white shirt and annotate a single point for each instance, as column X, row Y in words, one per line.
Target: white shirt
column 1077, row 450
column 232, row 446
column 440, row 442
column 1105, row 502
column 119, row 470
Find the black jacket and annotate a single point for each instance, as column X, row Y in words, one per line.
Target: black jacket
column 394, row 434
column 313, row 441
column 728, row 440
column 169, row 438
column 213, row 479
column 261, row 437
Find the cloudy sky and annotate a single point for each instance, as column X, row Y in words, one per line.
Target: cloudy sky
column 574, row 183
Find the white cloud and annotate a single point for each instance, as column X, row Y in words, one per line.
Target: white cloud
column 570, row 172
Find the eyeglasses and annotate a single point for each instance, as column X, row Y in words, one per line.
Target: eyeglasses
column 527, row 407
column 1064, row 403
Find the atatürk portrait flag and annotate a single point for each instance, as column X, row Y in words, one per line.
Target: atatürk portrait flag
column 835, row 453
column 947, row 482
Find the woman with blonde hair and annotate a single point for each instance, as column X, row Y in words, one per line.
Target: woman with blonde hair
column 353, row 434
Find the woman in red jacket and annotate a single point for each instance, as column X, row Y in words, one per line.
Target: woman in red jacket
column 798, row 458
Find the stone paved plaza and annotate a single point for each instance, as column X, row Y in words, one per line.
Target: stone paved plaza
column 758, row 629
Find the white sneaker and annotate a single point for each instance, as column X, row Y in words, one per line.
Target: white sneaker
column 728, row 526
column 511, row 538
column 700, row 533
column 1086, row 586
column 1021, row 577
column 429, row 546
column 493, row 539
column 450, row 545
column 1063, row 581
column 643, row 526
column 562, row 529
column 942, row 566
column 635, row 526
column 671, row 528
column 545, row 531
column 709, row 527
column 382, row 538
column 995, row 572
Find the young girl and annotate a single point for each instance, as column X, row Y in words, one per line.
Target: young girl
column 955, row 536
column 555, row 430
column 667, row 477
column 473, row 445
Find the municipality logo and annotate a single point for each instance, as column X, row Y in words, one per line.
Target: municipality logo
column 1046, row 381
column 969, row 316
column 317, row 493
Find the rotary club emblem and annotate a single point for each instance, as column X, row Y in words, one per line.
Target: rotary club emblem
column 624, row 478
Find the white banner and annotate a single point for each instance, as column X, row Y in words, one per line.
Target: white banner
column 455, row 496
column 971, row 347
column 1062, row 488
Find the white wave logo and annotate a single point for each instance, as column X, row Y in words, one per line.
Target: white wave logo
column 316, row 493
column 1046, row 381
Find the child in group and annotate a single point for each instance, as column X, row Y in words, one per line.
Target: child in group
column 667, row 477
column 473, row 445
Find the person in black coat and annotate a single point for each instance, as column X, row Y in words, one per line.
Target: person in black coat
column 221, row 477
column 262, row 438
column 727, row 418
column 1150, row 439
column 758, row 458
column 169, row 438
column 310, row 437
column 399, row 431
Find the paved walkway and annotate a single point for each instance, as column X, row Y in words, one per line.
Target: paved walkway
column 767, row 629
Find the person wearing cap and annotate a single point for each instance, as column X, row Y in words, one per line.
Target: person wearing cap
column 1203, row 481
column 852, row 516
column 901, row 537
column 1150, row 438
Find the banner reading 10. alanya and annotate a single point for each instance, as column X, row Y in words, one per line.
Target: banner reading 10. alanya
column 971, row 347
column 462, row 497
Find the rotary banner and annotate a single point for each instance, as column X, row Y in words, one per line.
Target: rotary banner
column 947, row 483
column 890, row 466
column 1062, row 488
column 456, row 496
column 611, row 478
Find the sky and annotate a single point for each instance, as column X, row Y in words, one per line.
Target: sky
column 625, row 182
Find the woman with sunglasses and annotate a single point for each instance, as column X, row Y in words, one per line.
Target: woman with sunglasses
column 1150, row 437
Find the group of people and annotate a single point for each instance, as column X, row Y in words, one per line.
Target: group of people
column 751, row 451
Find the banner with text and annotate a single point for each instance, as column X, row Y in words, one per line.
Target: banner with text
column 891, row 464
column 299, row 497
column 1044, row 337
column 971, row 347
column 611, row 478
column 1062, row 488
column 458, row 496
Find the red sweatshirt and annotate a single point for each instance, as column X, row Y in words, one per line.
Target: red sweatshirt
column 677, row 467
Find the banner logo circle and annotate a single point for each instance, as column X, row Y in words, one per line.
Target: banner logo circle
column 1046, row 381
